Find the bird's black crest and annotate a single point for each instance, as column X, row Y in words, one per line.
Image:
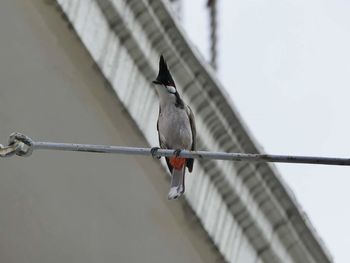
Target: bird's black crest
column 164, row 77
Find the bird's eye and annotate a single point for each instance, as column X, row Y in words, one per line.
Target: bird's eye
column 171, row 89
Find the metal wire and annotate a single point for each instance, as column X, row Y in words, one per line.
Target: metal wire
column 22, row 145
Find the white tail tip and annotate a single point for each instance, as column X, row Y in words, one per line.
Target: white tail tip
column 175, row 192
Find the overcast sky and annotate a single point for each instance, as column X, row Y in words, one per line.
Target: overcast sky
column 286, row 65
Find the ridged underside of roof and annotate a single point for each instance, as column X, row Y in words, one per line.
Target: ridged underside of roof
column 247, row 210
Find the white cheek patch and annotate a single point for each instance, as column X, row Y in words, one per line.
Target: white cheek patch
column 171, row 89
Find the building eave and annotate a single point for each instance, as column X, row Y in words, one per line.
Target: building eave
column 254, row 195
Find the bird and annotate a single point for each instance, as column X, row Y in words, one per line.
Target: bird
column 176, row 129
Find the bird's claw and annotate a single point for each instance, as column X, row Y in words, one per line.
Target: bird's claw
column 177, row 152
column 154, row 151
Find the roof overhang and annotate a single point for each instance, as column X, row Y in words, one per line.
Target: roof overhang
column 231, row 199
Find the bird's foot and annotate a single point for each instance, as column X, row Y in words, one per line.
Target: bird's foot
column 177, row 152
column 175, row 192
column 154, row 152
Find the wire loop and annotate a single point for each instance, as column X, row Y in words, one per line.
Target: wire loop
column 19, row 144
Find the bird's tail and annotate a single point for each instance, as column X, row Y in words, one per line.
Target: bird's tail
column 177, row 187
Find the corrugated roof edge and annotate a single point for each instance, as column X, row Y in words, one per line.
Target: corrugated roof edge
column 254, row 146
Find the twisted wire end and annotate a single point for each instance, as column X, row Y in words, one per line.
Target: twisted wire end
column 19, row 144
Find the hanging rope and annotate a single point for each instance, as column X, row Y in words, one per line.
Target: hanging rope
column 22, row 145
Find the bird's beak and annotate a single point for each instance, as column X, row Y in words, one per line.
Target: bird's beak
column 156, row 82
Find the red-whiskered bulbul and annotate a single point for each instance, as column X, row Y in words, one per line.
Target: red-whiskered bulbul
column 176, row 128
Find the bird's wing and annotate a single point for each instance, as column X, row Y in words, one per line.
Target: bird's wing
column 163, row 146
column 189, row 162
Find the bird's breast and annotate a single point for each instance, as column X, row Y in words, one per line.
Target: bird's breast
column 175, row 128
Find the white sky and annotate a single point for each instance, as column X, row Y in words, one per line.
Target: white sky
column 286, row 65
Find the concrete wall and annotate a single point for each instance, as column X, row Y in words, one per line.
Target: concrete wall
column 78, row 207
